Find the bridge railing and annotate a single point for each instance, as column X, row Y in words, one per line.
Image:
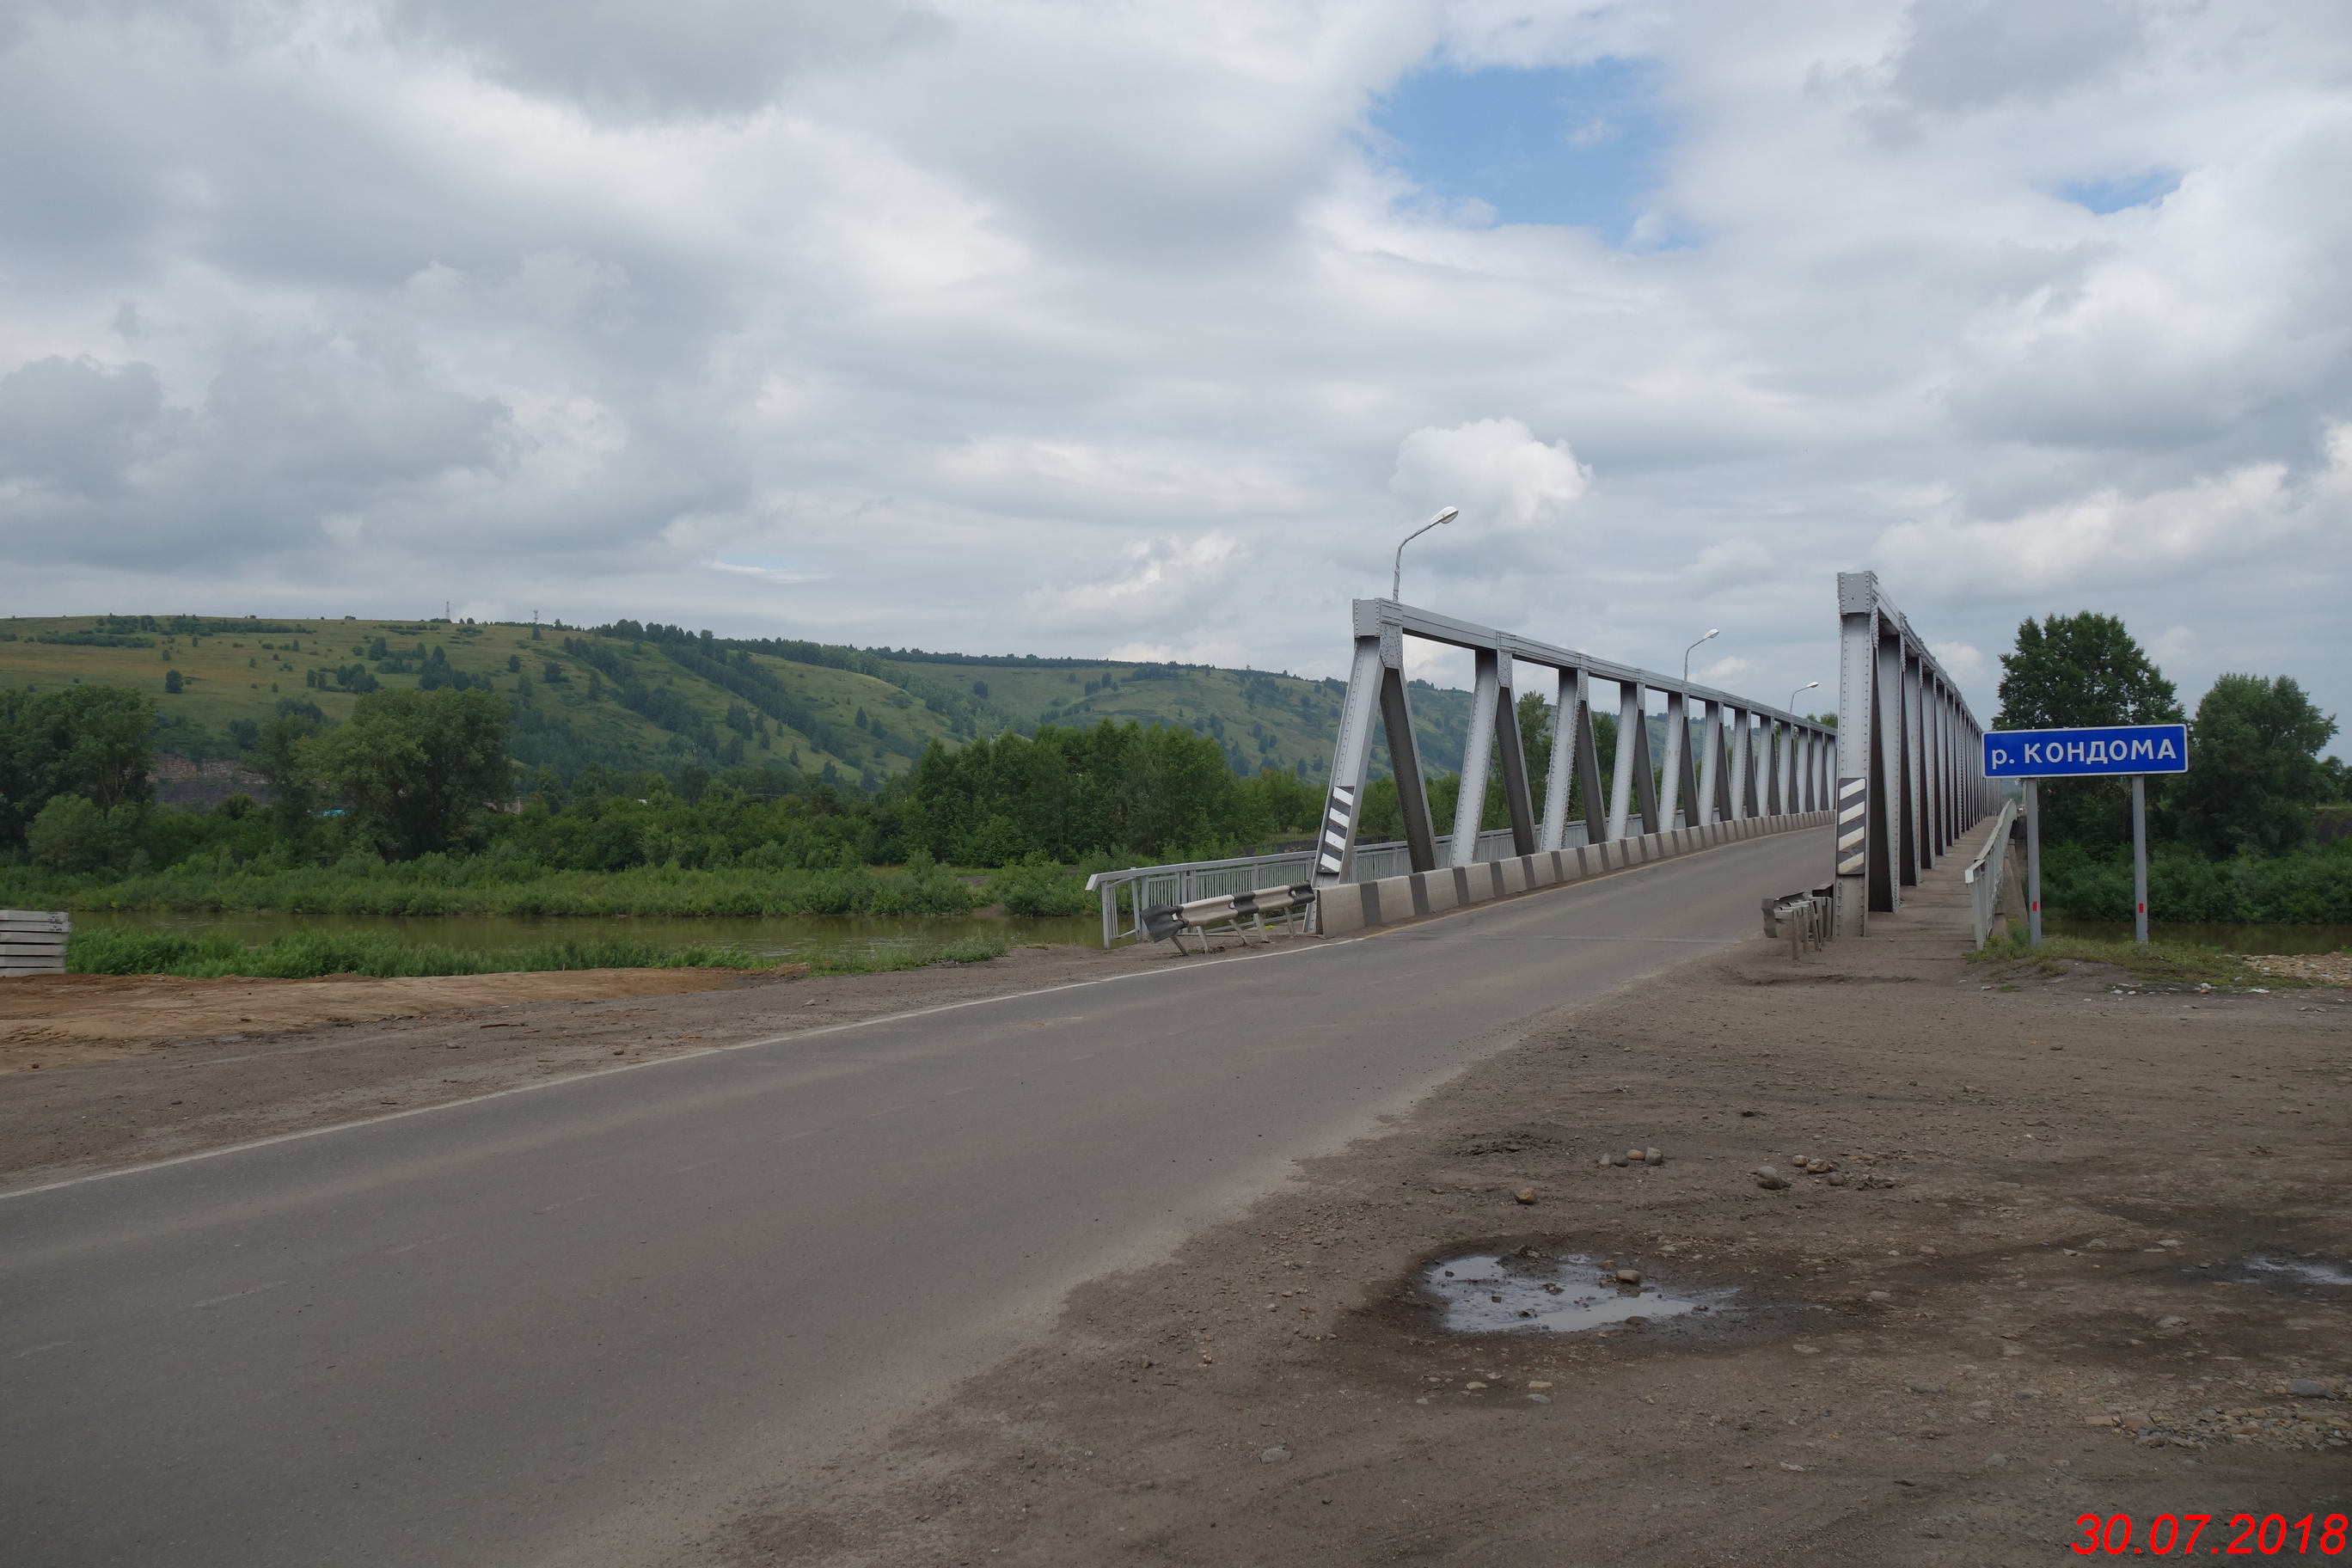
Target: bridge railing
column 1126, row 894
column 1984, row 873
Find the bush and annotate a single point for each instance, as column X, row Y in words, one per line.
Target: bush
column 1033, row 889
column 2311, row 887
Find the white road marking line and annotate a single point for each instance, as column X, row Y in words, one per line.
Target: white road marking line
column 237, row 1295
column 428, row 1241
column 567, row 1203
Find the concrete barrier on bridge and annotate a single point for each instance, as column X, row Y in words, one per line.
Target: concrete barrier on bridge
column 1347, row 906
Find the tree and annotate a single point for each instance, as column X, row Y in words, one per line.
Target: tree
column 2073, row 671
column 280, row 758
column 89, row 741
column 171, row 682
column 68, row 835
column 2254, row 768
column 2076, row 672
column 412, row 766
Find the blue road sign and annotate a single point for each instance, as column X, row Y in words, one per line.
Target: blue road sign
column 2061, row 753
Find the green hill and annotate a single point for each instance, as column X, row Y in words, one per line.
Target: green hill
column 635, row 696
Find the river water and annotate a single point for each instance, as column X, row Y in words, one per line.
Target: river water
column 786, row 938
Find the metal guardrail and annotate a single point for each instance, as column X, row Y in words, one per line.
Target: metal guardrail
column 1126, row 894
column 1984, row 873
column 1804, row 917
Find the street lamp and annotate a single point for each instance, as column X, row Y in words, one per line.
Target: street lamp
column 1712, row 632
column 1799, row 692
column 1396, row 583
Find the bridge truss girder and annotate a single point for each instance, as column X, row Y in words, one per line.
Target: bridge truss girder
column 1753, row 761
column 1909, row 768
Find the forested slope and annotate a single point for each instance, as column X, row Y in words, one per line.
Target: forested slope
column 635, row 695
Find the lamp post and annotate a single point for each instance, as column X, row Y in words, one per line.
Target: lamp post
column 1712, row 633
column 1396, row 582
column 1799, row 692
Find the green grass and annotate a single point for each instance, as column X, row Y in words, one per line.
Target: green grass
column 890, row 960
column 2159, row 963
column 444, row 886
column 308, row 955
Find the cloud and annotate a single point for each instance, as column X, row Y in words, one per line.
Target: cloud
column 73, row 427
column 2110, row 538
column 1495, row 469
column 1968, row 54
column 1962, row 661
column 1157, row 579
column 1063, row 328
column 632, row 59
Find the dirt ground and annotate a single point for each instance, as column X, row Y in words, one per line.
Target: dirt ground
column 103, row 1071
column 2084, row 1250
column 53, row 1021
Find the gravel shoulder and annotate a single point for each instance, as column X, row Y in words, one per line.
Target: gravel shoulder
column 2086, row 1250
column 99, row 1071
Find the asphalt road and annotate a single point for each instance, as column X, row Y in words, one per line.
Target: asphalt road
column 582, row 1324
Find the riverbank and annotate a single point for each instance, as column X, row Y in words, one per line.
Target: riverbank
column 2076, row 1245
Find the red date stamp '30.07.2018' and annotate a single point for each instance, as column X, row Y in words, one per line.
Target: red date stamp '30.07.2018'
column 2246, row 1535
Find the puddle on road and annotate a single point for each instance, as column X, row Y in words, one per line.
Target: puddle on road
column 2301, row 1270
column 1488, row 1293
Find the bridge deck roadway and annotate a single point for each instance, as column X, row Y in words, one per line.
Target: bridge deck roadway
column 581, row 1324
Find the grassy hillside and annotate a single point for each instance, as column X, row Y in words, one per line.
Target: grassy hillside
column 653, row 697
column 1281, row 721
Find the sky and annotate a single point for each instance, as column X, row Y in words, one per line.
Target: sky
column 1146, row 330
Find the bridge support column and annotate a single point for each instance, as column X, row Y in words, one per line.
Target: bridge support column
column 1857, row 707
column 1569, row 730
column 1511, row 755
column 1376, row 690
column 1486, row 683
column 1706, row 803
column 1676, row 774
column 1632, row 779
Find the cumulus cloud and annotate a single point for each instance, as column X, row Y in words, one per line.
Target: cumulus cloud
column 1495, row 469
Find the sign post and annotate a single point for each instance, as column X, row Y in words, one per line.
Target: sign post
column 2032, row 863
column 2136, row 750
column 2139, row 858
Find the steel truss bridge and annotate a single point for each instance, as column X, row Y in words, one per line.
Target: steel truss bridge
column 1902, row 765
column 1753, row 761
